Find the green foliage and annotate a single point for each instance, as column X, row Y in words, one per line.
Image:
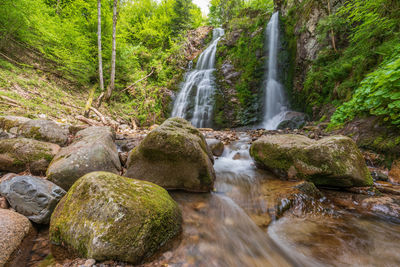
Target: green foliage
column 378, row 94
column 366, row 34
column 150, row 34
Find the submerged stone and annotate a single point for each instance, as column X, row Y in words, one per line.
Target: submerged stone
column 332, row 161
column 92, row 150
column 21, row 154
column 109, row 217
column 174, row 156
column 31, row 196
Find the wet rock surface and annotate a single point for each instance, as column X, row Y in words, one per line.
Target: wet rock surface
column 216, row 146
column 174, row 156
column 331, row 161
column 92, row 150
column 15, row 230
column 293, row 120
column 31, row 196
column 21, row 154
column 105, row 216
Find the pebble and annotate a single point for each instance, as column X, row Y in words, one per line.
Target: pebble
column 90, row 263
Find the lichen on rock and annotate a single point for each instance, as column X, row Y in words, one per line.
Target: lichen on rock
column 174, row 156
column 105, row 216
column 332, row 161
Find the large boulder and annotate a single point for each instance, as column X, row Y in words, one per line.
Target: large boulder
column 293, row 120
column 44, row 130
column 21, row 154
column 331, row 161
column 93, row 150
column 174, row 156
column 105, row 216
column 16, row 232
column 31, row 196
column 216, row 146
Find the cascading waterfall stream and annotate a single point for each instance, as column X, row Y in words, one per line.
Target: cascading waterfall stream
column 275, row 102
column 194, row 102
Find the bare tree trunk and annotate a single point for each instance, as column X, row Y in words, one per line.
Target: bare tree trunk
column 110, row 88
column 332, row 33
column 101, row 80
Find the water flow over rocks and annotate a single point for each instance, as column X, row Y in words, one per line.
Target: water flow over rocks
column 194, row 102
column 275, row 102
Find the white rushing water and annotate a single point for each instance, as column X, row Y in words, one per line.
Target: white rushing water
column 275, row 101
column 195, row 100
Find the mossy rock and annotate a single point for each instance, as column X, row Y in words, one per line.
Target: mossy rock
column 175, row 156
column 21, row 154
column 92, row 150
column 44, row 130
column 332, row 161
column 216, row 146
column 12, row 122
column 109, row 217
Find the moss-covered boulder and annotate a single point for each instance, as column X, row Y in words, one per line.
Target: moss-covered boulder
column 21, row 154
column 105, row 216
column 12, row 123
column 175, row 155
column 44, row 130
column 92, row 150
column 332, row 161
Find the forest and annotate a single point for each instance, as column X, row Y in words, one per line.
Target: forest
column 199, row 133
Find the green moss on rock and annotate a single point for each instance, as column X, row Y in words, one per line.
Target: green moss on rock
column 174, row 156
column 332, row 161
column 109, row 217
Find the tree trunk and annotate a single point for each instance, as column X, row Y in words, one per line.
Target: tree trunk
column 101, row 80
column 110, row 88
column 332, row 33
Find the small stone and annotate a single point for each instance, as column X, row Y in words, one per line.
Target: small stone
column 3, row 203
column 90, row 263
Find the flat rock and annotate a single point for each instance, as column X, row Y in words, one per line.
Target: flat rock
column 332, row 161
column 22, row 154
column 44, row 130
column 175, row 156
column 92, row 150
column 109, row 217
column 14, row 230
column 31, row 196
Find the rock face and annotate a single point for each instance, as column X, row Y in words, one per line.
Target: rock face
column 93, row 150
column 332, row 161
column 293, row 120
column 44, row 130
column 21, row 154
column 394, row 174
column 31, row 196
column 174, row 156
column 14, row 229
column 216, row 146
column 105, row 216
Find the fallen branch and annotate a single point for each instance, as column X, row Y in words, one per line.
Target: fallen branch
column 102, row 118
column 10, row 100
column 144, row 78
column 16, row 62
column 10, row 104
column 88, row 121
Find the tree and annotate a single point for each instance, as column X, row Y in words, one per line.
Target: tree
column 110, row 88
column 101, row 80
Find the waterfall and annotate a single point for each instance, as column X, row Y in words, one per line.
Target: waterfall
column 275, row 101
column 195, row 100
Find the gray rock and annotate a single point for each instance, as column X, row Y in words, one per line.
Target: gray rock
column 293, row 120
column 92, row 150
column 216, row 146
column 332, row 161
column 175, row 155
column 11, row 123
column 21, row 154
column 31, row 196
column 44, row 130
